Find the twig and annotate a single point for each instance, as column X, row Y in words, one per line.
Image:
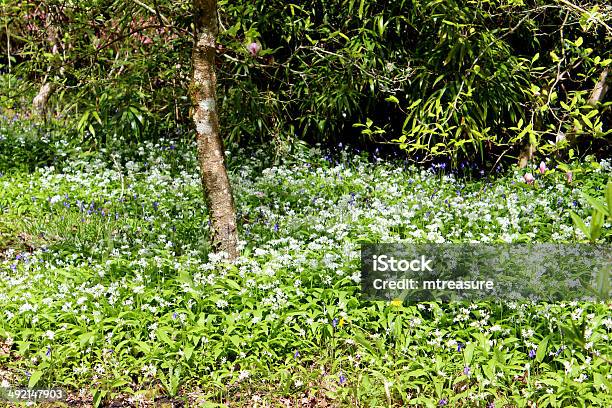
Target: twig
column 575, row 7
column 162, row 20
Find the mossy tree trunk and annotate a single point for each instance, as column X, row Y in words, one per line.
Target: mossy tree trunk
column 211, row 157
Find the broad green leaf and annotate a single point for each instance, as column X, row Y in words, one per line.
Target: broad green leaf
column 34, row 378
column 542, row 348
column 469, row 353
column 596, row 204
column 609, row 198
column 580, row 224
column 392, row 99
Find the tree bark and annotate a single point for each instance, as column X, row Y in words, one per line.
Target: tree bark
column 211, row 157
column 42, row 98
column 40, row 101
column 599, row 90
column 526, row 155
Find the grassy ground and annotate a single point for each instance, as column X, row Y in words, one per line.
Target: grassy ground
column 107, row 287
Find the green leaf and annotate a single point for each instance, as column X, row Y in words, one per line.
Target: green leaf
column 596, row 204
column 188, row 352
column 163, row 336
column 366, row 344
column 96, row 116
column 392, row 99
column 542, row 347
column 415, row 103
column 235, row 340
column 469, row 353
column 98, row 397
column 597, row 219
column 580, row 224
column 609, row 198
column 34, row 378
column 86, row 338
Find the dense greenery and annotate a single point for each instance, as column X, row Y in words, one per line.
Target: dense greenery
column 444, row 80
column 109, row 286
column 106, row 285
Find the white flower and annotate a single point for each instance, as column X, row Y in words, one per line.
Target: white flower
column 149, row 370
column 55, row 199
column 577, row 314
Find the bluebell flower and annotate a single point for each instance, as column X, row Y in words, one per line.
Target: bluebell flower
column 532, row 353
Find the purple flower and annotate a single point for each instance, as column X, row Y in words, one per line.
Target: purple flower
column 460, row 347
column 276, row 227
column 48, row 353
column 253, row 48
column 342, row 379
column 570, row 176
column 174, row 315
column 532, row 353
column 529, row 179
column 352, row 199
column 335, row 322
column 443, row 402
column 466, row 371
column 296, row 354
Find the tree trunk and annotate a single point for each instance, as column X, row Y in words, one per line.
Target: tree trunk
column 211, row 157
column 526, row 155
column 599, row 90
column 598, row 94
column 41, row 100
